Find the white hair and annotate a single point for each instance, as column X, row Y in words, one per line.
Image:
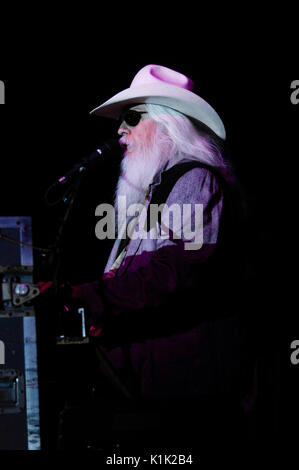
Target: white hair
column 137, row 172
column 175, row 138
column 187, row 140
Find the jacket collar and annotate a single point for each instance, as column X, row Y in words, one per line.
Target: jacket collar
column 158, row 176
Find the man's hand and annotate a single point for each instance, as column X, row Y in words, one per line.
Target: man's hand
column 44, row 286
column 64, row 290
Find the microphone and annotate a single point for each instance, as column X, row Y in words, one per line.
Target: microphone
column 107, row 148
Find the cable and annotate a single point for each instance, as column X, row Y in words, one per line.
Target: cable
column 18, row 242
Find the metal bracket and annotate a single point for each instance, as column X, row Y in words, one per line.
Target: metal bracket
column 16, row 290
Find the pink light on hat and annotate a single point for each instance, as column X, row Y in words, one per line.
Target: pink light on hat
column 157, row 73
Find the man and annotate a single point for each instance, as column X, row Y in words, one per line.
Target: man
column 163, row 311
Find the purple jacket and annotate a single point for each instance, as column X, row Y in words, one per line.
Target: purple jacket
column 164, row 319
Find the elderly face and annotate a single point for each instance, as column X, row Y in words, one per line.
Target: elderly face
column 139, row 136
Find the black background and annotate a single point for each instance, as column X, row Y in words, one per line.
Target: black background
column 56, row 71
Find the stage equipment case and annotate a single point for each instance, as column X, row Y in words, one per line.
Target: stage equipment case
column 19, row 393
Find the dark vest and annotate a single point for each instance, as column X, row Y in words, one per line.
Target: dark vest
column 216, row 290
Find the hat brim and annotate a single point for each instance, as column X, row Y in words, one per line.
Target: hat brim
column 180, row 99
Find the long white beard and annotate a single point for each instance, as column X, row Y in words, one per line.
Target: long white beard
column 137, row 173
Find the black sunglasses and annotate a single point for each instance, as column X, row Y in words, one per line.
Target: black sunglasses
column 131, row 117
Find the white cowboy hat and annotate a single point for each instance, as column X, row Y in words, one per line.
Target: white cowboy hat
column 156, row 84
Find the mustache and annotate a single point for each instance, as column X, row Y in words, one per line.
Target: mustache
column 129, row 144
column 123, row 141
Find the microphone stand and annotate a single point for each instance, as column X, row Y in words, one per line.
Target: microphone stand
column 69, row 198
